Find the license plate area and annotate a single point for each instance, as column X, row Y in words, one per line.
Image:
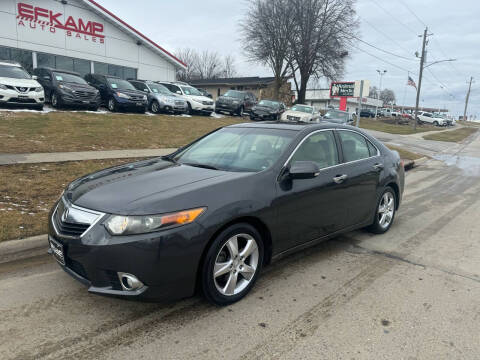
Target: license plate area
column 57, row 251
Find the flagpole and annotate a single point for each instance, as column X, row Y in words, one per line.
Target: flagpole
column 405, row 92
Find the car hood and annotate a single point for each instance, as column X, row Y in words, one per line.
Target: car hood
column 169, row 97
column 19, row 82
column 130, row 92
column 145, row 187
column 79, row 87
column 199, row 98
column 264, row 108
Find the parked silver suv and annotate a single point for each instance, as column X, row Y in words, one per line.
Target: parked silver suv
column 160, row 99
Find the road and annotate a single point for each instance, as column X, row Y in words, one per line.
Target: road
column 412, row 293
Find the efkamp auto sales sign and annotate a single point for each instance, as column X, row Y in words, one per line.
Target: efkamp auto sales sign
column 41, row 19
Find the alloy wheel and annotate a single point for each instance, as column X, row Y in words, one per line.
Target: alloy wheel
column 155, row 107
column 54, row 100
column 236, row 264
column 111, row 105
column 386, row 210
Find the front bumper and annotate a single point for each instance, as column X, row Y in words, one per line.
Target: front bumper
column 130, row 104
column 196, row 106
column 165, row 262
column 68, row 99
column 27, row 98
column 263, row 115
column 172, row 107
column 227, row 107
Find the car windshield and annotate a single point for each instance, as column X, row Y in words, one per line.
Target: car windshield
column 234, row 94
column 237, row 149
column 302, row 108
column 159, row 89
column 269, row 103
column 69, row 78
column 13, row 72
column 336, row 116
column 188, row 90
column 120, row 84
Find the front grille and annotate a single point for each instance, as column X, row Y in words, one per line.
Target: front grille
column 21, row 89
column 136, row 98
column 22, row 101
column 207, row 102
column 179, row 103
column 85, row 95
column 66, row 228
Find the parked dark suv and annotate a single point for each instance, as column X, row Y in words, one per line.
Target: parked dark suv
column 118, row 94
column 235, row 102
column 367, row 113
column 67, row 88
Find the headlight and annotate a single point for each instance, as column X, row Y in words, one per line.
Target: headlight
column 144, row 97
column 39, row 89
column 3, row 87
column 128, row 225
column 63, row 87
column 236, row 102
column 122, row 95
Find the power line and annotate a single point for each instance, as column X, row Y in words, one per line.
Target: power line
column 394, row 17
column 383, row 60
column 385, row 51
column 413, row 13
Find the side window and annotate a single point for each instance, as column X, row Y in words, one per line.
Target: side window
column 354, row 146
column 372, row 149
column 175, row 88
column 320, row 148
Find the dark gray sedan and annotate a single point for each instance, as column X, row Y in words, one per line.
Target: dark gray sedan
column 212, row 214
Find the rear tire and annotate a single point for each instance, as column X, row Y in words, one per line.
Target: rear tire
column 55, row 100
column 112, row 105
column 229, row 272
column 384, row 212
column 435, row 123
column 240, row 111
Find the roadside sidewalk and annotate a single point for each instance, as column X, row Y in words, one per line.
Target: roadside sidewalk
column 8, row 159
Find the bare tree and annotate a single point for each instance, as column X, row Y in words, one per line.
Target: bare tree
column 190, row 57
column 228, row 69
column 373, row 92
column 265, row 34
column 319, row 39
column 209, row 65
column 387, row 96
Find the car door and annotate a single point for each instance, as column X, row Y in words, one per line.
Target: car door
column 361, row 168
column 45, row 79
column 309, row 209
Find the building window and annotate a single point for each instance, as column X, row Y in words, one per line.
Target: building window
column 129, row 73
column 115, row 70
column 63, row 63
column 100, row 68
column 24, row 57
column 218, row 92
column 81, row 66
column 45, row 60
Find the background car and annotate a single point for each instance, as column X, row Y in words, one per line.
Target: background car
column 196, row 102
column 300, row 112
column 67, row 88
column 235, row 102
column 428, row 118
column 369, row 113
column 267, row 110
column 18, row 87
column 160, row 99
column 118, row 94
column 338, row 117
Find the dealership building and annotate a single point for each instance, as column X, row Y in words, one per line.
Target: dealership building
column 81, row 36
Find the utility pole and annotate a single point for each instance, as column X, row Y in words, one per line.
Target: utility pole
column 360, row 101
column 381, row 73
column 422, row 60
column 466, row 99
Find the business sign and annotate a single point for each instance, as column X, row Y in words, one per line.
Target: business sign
column 342, row 89
column 349, row 89
column 41, row 19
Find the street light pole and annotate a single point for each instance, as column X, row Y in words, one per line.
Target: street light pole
column 466, row 99
column 381, row 73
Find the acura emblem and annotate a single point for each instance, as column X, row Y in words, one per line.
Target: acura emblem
column 65, row 215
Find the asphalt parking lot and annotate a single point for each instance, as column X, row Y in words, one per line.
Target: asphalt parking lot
column 409, row 294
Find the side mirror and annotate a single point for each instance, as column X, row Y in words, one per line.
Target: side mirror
column 146, row 90
column 304, row 170
column 178, row 92
column 34, row 77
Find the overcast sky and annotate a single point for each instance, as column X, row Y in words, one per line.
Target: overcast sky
column 389, row 25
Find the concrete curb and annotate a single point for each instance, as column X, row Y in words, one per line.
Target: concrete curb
column 14, row 250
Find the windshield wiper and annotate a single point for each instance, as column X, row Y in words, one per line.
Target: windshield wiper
column 204, row 166
column 168, row 158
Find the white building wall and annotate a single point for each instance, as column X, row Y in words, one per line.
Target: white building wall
column 117, row 48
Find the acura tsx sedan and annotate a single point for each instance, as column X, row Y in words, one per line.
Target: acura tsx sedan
column 210, row 215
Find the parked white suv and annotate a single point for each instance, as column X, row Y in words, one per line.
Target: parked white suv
column 426, row 117
column 195, row 100
column 18, row 87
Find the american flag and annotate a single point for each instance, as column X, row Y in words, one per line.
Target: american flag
column 411, row 82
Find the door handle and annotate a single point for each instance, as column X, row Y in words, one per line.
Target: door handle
column 340, row 178
column 378, row 166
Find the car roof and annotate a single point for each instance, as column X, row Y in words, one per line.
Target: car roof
column 10, row 63
column 291, row 125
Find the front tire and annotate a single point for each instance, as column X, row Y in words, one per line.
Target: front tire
column 240, row 111
column 190, row 110
column 155, row 107
column 55, row 100
column 232, row 264
column 112, row 105
column 384, row 212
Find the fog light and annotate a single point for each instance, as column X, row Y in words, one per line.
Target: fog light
column 129, row 282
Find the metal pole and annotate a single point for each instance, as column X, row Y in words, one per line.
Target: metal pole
column 466, row 99
column 420, row 78
column 360, row 99
column 381, row 73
